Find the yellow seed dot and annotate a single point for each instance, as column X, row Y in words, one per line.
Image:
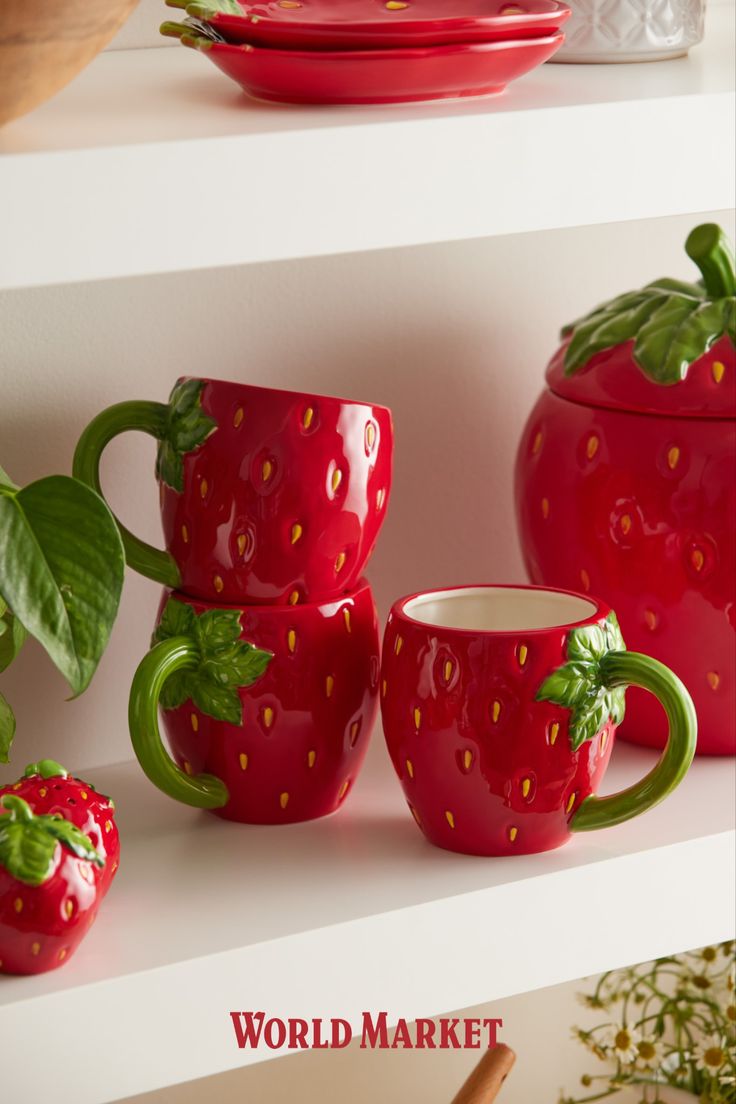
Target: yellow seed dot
column 62, row 954
column 398, row 645
column 266, row 470
column 448, row 670
column 410, row 768
column 718, row 368
column 17, row 785
column 329, row 685
column 243, row 760
column 571, row 801
column 296, row 532
column 537, row 443
column 291, row 641
column 293, row 597
column 523, row 653
column 267, row 715
column 585, row 579
column 185, row 534
column 415, row 814
column 284, row 800
column 604, row 740
column 238, row 416
column 289, row 4
column 449, row 818
column 354, row 730
column 591, row 446
column 513, row 833
column 545, row 507
column 311, row 758
column 417, row 718
column 68, row 908
column 626, row 524
column 340, row 562
column 496, row 711
column 554, row 730
column 370, row 435
column 673, row 457
column 35, row 948
column 114, row 867
column 714, row 679
column 218, row 584
column 380, row 496
column 307, row 417
column 203, row 487
column 467, row 759
column 336, row 479
column 195, row 721
column 108, row 826
column 343, row 789
column 18, row 904
column 384, row 688
column 697, row 559
column 43, row 791
column 651, row 620
column 346, row 618
column 526, row 786
column 396, row 5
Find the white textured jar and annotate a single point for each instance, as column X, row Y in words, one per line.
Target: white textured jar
column 631, row 30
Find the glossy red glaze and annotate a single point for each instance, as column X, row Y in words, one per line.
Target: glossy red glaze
column 42, row 926
column 283, row 503
column 306, row 721
column 361, row 24
column 485, row 768
column 612, row 379
column 381, row 76
column 642, row 510
column 78, row 802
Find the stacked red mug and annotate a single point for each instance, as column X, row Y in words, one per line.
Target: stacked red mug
column 264, row 665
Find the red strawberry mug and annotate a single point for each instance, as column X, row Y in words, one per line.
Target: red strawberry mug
column 500, row 705
column 266, row 496
column 268, row 709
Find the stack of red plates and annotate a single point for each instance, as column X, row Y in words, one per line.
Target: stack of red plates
column 372, row 51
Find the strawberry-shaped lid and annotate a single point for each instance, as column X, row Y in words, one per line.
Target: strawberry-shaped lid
column 29, row 843
column 669, row 348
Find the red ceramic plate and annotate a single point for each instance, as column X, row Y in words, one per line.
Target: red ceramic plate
column 368, row 24
column 378, row 76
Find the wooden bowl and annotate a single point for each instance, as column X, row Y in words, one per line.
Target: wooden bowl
column 44, row 44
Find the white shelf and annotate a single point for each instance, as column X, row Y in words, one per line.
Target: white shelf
column 345, row 914
column 151, row 161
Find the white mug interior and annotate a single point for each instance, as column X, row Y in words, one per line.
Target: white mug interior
column 499, row 609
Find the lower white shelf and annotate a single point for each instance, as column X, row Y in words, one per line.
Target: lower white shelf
column 351, row 913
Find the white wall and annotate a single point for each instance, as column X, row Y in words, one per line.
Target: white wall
column 453, row 337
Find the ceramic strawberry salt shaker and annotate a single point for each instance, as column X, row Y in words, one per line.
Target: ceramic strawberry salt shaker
column 625, row 481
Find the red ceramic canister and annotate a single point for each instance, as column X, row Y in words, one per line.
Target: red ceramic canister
column 268, row 710
column 626, row 482
column 266, row 495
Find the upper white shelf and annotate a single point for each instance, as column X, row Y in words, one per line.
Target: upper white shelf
column 351, row 913
column 151, row 161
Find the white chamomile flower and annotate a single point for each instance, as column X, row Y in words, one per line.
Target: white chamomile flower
column 649, row 1053
column 622, row 1042
column 711, row 1055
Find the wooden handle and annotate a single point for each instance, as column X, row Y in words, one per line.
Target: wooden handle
column 484, row 1083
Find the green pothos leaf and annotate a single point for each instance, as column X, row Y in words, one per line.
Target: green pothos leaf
column 12, row 636
column 578, row 684
column 672, row 323
column 187, row 427
column 226, row 664
column 28, row 842
column 7, row 728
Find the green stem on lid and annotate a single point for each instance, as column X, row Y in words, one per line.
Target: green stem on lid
column 710, row 249
column 47, row 768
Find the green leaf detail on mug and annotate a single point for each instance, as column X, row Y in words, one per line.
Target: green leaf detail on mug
column 28, row 842
column 186, row 428
column 226, row 662
column 578, row 685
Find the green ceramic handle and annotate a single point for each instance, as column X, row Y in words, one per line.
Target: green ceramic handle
column 148, row 417
column 178, row 653
column 633, row 669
